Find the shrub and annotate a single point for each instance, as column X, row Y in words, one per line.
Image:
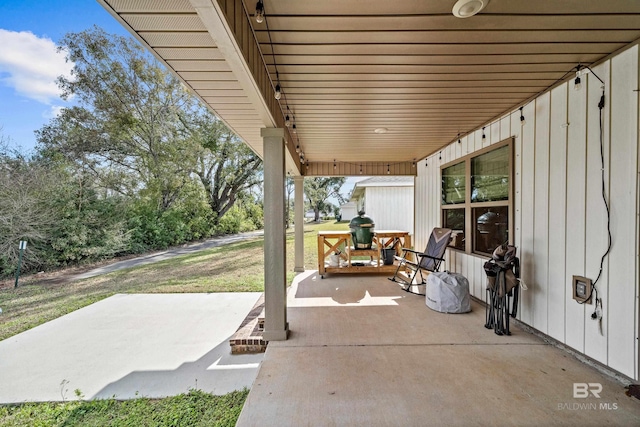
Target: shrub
column 235, row 220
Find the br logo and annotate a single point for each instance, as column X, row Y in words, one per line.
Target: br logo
column 582, row 390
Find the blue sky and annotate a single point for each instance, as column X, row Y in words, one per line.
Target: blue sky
column 29, row 64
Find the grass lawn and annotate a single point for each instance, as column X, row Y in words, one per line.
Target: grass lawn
column 236, row 267
column 195, row 408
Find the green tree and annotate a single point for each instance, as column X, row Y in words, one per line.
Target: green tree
column 319, row 190
column 25, row 211
column 226, row 167
column 289, row 204
column 140, row 132
column 126, row 126
column 188, row 218
column 89, row 224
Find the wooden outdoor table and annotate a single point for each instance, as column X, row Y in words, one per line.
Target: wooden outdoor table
column 395, row 238
column 330, row 241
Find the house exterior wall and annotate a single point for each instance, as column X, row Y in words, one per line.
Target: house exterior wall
column 390, row 207
column 560, row 221
column 349, row 210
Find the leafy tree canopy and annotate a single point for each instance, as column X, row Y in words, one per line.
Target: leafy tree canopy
column 226, row 167
column 125, row 128
column 139, row 131
column 318, row 191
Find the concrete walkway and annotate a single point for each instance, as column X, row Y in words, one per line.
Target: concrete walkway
column 170, row 253
column 362, row 352
column 131, row 345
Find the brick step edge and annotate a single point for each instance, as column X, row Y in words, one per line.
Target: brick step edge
column 248, row 337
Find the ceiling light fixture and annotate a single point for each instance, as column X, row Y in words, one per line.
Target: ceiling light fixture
column 278, row 93
column 468, row 8
column 522, row 120
column 259, row 12
column 287, row 120
column 294, row 128
column 360, row 168
column 388, row 170
column 483, row 135
column 381, row 130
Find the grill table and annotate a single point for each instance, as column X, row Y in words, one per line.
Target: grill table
column 330, row 241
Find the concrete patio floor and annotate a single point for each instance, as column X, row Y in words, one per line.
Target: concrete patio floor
column 362, row 352
column 133, row 345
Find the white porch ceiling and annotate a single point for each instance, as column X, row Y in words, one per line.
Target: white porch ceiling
column 347, row 67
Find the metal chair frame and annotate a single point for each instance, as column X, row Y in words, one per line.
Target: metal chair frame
column 429, row 260
column 502, row 304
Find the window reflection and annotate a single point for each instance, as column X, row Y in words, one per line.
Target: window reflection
column 454, row 219
column 492, row 228
column 490, row 176
column 453, row 184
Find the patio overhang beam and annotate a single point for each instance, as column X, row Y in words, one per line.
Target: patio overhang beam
column 339, row 168
column 228, row 24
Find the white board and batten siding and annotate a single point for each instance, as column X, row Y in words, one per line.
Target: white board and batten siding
column 560, row 221
column 349, row 210
column 390, row 207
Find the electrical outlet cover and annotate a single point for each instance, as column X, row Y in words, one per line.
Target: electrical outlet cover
column 582, row 289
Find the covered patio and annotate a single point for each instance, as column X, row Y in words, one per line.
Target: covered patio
column 545, row 90
column 364, row 352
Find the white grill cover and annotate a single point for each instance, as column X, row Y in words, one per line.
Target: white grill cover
column 448, row 292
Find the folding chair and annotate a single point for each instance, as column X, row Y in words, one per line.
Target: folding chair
column 503, row 274
column 412, row 263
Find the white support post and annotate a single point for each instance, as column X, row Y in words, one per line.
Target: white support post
column 276, row 327
column 299, row 223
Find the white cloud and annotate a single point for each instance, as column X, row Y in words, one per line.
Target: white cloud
column 30, row 65
column 53, row 112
